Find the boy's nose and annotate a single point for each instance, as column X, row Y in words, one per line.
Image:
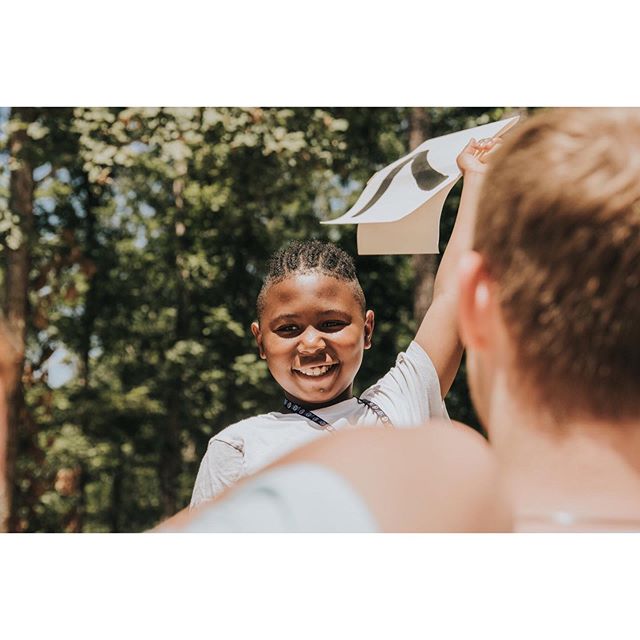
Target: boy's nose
column 311, row 342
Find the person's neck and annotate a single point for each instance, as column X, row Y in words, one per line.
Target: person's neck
column 588, row 469
column 313, row 406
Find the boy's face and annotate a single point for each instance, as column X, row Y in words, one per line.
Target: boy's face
column 312, row 334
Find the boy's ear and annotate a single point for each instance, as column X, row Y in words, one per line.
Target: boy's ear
column 369, row 324
column 257, row 334
column 476, row 301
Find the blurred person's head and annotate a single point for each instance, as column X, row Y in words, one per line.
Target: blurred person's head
column 550, row 296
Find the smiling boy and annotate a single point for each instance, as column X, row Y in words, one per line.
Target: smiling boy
column 312, row 336
column 312, row 330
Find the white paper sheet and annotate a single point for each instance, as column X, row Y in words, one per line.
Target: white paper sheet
column 399, row 210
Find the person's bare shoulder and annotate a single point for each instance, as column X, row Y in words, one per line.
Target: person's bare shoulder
column 437, row 477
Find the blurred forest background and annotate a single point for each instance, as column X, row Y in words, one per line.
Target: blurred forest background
column 133, row 244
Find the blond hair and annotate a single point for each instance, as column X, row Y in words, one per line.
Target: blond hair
column 559, row 228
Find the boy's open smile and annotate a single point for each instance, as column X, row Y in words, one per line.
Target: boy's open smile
column 317, row 370
column 313, row 333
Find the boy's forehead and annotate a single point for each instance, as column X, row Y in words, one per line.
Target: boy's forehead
column 308, row 287
column 297, row 285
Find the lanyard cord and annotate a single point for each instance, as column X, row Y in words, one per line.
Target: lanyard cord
column 382, row 416
column 323, row 424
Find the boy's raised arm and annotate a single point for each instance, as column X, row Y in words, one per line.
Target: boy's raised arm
column 438, row 333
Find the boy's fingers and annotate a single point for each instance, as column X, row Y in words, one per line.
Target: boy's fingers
column 480, row 148
column 489, row 143
column 471, row 148
column 469, row 145
column 494, row 145
column 486, row 146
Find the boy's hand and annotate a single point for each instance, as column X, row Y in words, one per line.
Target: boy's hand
column 473, row 158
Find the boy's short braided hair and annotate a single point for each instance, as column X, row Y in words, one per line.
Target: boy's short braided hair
column 310, row 256
column 559, row 228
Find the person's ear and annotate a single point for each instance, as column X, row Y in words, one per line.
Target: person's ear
column 257, row 334
column 476, row 301
column 369, row 325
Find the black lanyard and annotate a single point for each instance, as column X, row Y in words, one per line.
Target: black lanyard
column 323, row 424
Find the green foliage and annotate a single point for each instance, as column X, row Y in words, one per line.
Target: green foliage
column 153, row 230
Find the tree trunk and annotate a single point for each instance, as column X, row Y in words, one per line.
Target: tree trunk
column 171, row 457
column 116, row 507
column 424, row 265
column 17, row 262
column 75, row 518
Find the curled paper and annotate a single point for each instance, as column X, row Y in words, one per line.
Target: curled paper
column 399, row 210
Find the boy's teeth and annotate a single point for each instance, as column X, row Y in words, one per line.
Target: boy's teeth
column 315, row 371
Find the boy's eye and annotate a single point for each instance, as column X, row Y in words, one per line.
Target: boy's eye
column 334, row 324
column 287, row 328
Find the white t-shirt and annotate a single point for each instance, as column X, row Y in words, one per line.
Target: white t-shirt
column 409, row 394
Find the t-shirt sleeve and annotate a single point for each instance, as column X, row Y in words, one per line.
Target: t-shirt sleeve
column 410, row 393
column 220, row 468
